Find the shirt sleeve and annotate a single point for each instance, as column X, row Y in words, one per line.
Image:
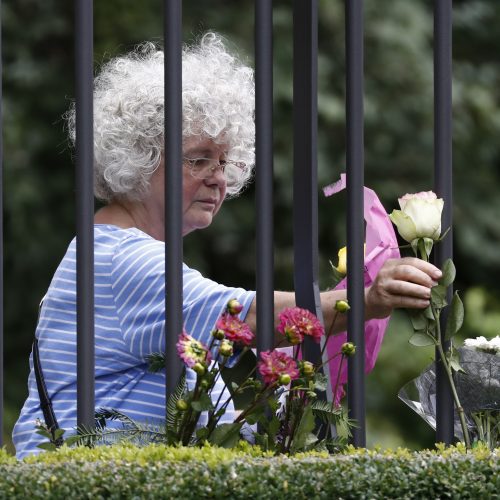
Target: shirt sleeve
column 138, row 282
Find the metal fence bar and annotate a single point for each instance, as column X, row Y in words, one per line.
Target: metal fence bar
column 443, row 186
column 1, row 238
column 264, row 177
column 84, row 213
column 173, row 188
column 305, row 181
column 355, row 222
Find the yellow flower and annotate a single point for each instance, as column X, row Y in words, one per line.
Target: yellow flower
column 342, row 265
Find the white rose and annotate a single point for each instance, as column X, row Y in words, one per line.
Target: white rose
column 419, row 217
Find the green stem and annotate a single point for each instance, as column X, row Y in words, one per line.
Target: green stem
column 449, row 373
column 330, row 331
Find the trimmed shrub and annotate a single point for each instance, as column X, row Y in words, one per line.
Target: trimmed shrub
column 154, row 471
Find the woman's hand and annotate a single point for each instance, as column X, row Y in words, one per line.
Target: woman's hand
column 405, row 282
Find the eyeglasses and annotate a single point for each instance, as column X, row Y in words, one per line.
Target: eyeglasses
column 203, row 168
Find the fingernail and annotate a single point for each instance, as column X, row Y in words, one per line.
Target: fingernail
column 434, row 283
column 437, row 273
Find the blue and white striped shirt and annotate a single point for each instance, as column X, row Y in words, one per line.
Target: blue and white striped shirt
column 129, row 325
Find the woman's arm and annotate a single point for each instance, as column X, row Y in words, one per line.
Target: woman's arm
column 403, row 282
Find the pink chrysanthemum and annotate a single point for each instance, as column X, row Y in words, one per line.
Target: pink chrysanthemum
column 273, row 364
column 234, row 329
column 296, row 323
column 192, row 351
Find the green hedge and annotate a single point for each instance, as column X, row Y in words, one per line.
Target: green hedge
column 126, row 471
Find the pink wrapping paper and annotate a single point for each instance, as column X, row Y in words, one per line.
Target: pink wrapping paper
column 381, row 244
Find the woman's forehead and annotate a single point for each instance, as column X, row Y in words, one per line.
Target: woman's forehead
column 204, row 145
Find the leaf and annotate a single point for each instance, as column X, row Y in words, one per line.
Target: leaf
column 418, row 319
column 47, row 446
column 421, row 340
column 449, row 273
column 336, row 275
column 454, row 361
column 172, row 411
column 156, row 362
column 256, row 415
column 455, row 317
column 202, row 433
column 320, row 382
column 305, row 427
column 428, row 243
column 204, row 403
column 438, row 296
column 71, row 440
column 58, row 433
column 226, row 435
column 274, row 426
column 238, row 374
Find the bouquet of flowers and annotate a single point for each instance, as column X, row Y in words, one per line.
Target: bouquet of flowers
column 478, row 387
column 279, row 398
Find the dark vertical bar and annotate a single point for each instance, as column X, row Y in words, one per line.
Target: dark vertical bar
column 355, row 222
column 1, row 238
column 264, row 176
column 305, row 176
column 443, row 186
column 173, row 188
column 84, row 212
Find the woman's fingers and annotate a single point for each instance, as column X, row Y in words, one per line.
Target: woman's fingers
column 405, row 282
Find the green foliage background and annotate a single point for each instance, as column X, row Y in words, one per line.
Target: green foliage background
column 39, row 188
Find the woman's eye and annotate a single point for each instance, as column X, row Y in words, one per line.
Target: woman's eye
column 201, row 163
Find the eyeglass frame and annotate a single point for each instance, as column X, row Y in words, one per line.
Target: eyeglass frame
column 216, row 165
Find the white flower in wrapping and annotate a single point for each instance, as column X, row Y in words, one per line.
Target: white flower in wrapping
column 419, row 217
column 484, row 344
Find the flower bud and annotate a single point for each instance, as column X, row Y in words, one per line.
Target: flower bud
column 284, row 379
column 199, row 368
column 234, row 307
column 182, row 405
column 306, row 368
column 204, row 384
column 348, row 349
column 226, row 349
column 218, row 334
column 342, row 306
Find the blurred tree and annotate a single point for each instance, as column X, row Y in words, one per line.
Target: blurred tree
column 39, row 194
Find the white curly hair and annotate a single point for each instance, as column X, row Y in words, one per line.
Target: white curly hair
column 218, row 102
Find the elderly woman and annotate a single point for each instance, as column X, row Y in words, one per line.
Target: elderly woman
column 218, row 150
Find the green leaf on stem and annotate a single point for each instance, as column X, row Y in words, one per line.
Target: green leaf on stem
column 418, row 319
column 455, row 318
column 449, row 273
column 420, row 339
column 428, row 243
column 438, row 296
column 226, row 435
column 274, row 427
column 454, row 361
column 179, row 393
column 47, row 446
column 305, row 427
column 204, row 403
column 235, row 376
column 256, row 415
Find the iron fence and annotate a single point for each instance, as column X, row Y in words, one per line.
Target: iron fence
column 304, row 188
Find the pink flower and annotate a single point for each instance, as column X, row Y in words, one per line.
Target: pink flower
column 234, row 329
column 295, row 323
column 273, row 364
column 192, row 351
